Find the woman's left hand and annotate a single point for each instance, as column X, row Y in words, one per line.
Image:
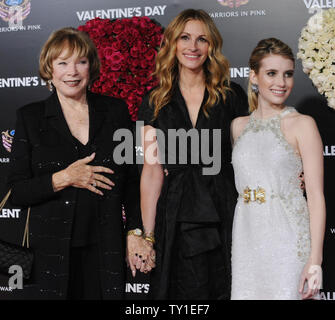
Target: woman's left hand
column 312, row 276
column 138, row 254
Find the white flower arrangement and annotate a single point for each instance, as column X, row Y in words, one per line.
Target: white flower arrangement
column 317, row 52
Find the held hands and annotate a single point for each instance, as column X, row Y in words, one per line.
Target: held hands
column 82, row 175
column 311, row 277
column 140, row 254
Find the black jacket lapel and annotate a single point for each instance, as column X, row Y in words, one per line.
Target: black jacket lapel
column 54, row 117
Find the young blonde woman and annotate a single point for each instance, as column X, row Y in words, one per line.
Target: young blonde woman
column 186, row 213
column 277, row 236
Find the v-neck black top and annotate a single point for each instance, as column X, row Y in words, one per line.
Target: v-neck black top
column 202, row 205
column 84, row 230
column 84, row 227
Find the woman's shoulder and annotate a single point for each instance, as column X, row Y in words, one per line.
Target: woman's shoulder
column 236, row 100
column 236, row 89
column 115, row 106
column 239, row 123
column 96, row 97
column 240, row 120
column 34, row 108
column 295, row 118
column 299, row 124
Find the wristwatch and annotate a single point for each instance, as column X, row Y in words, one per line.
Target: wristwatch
column 135, row 232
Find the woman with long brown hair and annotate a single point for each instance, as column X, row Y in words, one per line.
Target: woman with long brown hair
column 187, row 214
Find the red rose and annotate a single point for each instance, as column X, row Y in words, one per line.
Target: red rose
column 140, row 91
column 129, row 78
column 144, row 22
column 144, row 63
column 135, row 51
column 134, row 62
column 114, row 76
column 150, row 54
column 115, row 92
column 117, row 27
column 126, row 87
column 132, row 34
column 123, row 95
column 116, row 57
column 116, row 45
column 107, row 52
column 116, row 67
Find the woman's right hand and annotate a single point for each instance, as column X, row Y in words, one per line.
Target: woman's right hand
column 80, row 174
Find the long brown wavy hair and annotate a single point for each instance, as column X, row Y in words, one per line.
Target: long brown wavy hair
column 216, row 66
column 263, row 49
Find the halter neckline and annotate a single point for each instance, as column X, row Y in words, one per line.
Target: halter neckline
column 278, row 115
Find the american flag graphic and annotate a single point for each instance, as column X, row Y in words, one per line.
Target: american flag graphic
column 7, row 139
column 5, row 10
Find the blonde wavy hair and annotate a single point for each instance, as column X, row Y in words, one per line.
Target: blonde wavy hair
column 264, row 48
column 216, row 67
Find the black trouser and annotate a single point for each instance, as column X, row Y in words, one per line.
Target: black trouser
column 84, row 277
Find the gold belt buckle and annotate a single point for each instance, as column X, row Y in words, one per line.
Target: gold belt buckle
column 253, row 195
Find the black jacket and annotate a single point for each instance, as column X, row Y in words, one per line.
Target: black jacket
column 42, row 146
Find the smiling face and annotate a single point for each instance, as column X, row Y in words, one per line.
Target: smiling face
column 192, row 46
column 70, row 75
column 274, row 79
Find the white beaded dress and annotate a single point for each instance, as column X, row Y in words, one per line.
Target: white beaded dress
column 270, row 239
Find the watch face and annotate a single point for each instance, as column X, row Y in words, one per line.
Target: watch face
column 138, row 232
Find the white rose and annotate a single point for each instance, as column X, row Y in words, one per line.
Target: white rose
column 315, row 72
column 324, row 38
column 315, row 23
column 326, row 72
column 320, row 89
column 311, row 46
column 323, row 54
column 308, row 64
column 327, row 47
column 321, row 78
column 302, row 45
column 319, row 65
column 331, row 80
column 310, row 53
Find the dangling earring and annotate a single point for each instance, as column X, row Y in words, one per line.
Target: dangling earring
column 254, row 88
column 50, row 86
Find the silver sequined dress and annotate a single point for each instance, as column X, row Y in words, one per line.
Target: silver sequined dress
column 271, row 240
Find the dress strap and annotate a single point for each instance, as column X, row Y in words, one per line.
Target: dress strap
column 286, row 111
